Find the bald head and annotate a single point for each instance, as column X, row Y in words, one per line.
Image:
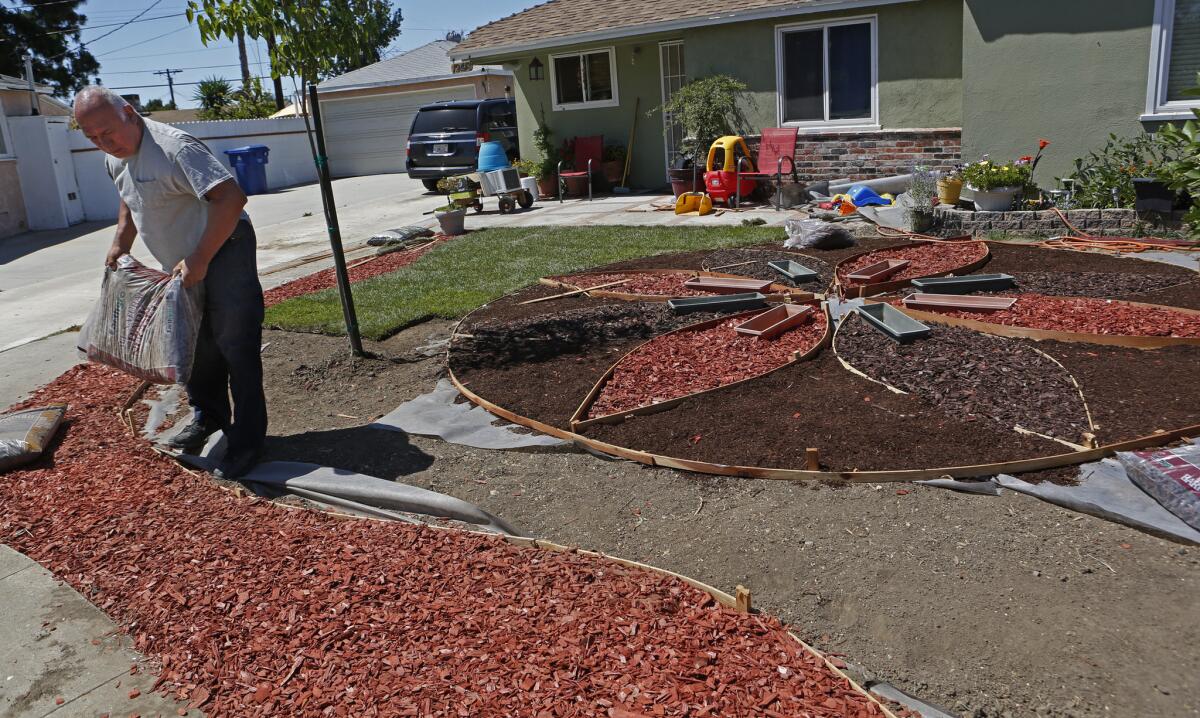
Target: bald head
column 108, row 121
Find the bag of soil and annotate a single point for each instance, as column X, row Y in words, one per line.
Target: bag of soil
column 25, row 434
column 400, row 235
column 1171, row 476
column 145, row 323
column 814, row 233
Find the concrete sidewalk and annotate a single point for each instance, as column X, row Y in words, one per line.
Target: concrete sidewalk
column 61, row 656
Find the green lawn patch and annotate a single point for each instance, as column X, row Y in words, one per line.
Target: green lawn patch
column 462, row 274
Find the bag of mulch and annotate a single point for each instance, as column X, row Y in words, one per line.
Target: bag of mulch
column 400, row 235
column 1171, row 476
column 145, row 323
column 25, row 434
column 816, row 234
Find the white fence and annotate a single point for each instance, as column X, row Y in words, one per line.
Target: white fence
column 289, row 163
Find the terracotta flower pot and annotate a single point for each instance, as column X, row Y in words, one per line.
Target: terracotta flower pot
column 547, row 187
column 949, row 189
column 613, row 171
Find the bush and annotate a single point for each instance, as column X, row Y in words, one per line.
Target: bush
column 1104, row 178
column 1182, row 172
column 708, row 108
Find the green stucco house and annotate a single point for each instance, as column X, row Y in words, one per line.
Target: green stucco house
column 873, row 86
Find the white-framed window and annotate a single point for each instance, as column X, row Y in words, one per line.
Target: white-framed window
column 1174, row 60
column 827, row 73
column 583, row 80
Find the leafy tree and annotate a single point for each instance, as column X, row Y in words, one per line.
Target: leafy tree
column 313, row 38
column 49, row 29
column 215, row 95
column 709, row 108
column 157, row 105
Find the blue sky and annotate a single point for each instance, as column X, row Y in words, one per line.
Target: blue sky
column 129, row 57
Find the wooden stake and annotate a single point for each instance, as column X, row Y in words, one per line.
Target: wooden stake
column 812, row 459
column 576, row 291
column 738, row 264
column 742, row 599
column 1090, row 440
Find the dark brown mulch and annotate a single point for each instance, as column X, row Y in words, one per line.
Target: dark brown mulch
column 1018, row 258
column 716, row 262
column 1104, row 285
column 1186, row 296
column 1132, row 392
column 493, row 342
column 855, row 423
column 972, row 375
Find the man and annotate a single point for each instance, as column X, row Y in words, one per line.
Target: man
column 187, row 209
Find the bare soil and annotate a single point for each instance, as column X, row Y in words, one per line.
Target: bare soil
column 1000, row 606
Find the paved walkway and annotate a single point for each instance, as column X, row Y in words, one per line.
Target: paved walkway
column 61, row 656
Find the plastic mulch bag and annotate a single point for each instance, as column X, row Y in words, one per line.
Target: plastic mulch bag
column 400, row 235
column 815, row 233
column 145, row 323
column 25, row 434
column 1171, row 476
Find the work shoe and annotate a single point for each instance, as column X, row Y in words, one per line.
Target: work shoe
column 237, row 464
column 193, row 437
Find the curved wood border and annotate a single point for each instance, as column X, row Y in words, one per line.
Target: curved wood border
column 756, row 472
column 1007, row 330
column 578, row 422
column 867, row 290
column 777, row 292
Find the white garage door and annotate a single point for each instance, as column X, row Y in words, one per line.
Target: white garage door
column 367, row 135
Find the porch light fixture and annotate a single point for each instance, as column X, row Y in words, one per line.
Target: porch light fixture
column 536, row 71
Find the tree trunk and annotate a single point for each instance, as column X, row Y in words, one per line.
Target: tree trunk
column 241, row 41
column 270, row 38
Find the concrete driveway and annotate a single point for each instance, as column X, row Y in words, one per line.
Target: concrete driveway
column 49, row 280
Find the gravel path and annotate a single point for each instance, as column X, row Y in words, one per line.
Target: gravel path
column 972, row 375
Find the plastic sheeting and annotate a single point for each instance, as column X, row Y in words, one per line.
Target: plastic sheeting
column 351, row 490
column 436, row 414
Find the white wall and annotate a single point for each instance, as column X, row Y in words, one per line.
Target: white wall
column 289, row 163
column 45, row 170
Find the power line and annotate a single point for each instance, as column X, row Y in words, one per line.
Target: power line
column 111, row 24
column 192, row 67
column 140, row 87
column 143, row 42
column 116, row 29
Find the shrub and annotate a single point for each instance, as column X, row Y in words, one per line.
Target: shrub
column 708, row 108
column 1182, row 172
column 1105, row 178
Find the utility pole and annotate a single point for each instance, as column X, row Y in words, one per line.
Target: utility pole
column 170, row 83
column 245, row 60
column 33, row 98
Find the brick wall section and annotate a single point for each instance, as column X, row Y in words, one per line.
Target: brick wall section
column 867, row 155
column 1096, row 222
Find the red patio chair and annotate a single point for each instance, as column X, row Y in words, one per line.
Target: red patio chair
column 778, row 144
column 588, row 150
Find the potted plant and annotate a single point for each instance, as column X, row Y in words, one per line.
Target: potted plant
column 547, row 166
column 526, row 168
column 451, row 218
column 949, row 186
column 994, row 185
column 919, row 213
column 706, row 109
column 613, row 165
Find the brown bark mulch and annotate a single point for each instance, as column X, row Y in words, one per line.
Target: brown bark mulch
column 972, row 375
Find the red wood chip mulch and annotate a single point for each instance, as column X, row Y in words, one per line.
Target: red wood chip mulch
column 925, row 260
column 1088, row 316
column 253, row 610
column 327, row 279
column 664, row 285
column 687, row 362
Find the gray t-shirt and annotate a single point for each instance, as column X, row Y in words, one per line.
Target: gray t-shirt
column 164, row 186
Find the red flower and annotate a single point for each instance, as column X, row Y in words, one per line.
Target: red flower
column 1043, row 144
column 1027, row 159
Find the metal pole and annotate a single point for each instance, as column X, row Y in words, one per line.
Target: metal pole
column 35, row 108
column 335, row 233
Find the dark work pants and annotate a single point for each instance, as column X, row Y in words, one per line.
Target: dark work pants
column 228, row 350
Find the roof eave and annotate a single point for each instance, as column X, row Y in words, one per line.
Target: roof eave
column 413, row 80
column 671, row 25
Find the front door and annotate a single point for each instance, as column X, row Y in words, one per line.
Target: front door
column 670, row 60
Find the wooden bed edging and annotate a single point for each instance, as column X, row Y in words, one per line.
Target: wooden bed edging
column 867, row 290
column 1007, row 330
column 577, row 419
column 778, row 292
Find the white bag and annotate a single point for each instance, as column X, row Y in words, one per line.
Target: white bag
column 145, row 323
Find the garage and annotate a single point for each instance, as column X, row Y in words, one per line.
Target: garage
column 366, row 113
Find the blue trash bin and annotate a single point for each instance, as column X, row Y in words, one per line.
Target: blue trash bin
column 250, row 165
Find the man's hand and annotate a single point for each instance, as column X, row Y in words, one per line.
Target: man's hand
column 192, row 270
column 114, row 253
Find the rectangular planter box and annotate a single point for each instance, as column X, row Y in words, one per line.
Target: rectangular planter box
column 774, row 322
column 726, row 303
column 967, row 284
column 793, row 271
column 893, row 322
column 879, row 271
column 726, row 285
column 957, row 301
